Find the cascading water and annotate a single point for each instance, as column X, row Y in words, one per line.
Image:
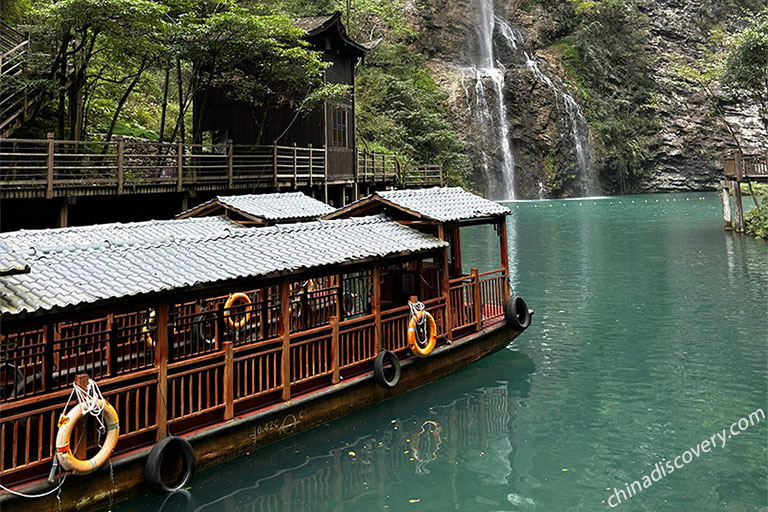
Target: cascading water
column 490, row 109
column 484, row 78
column 577, row 121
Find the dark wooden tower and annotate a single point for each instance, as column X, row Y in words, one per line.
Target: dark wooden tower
column 331, row 125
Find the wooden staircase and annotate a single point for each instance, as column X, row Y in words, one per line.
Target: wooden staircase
column 15, row 105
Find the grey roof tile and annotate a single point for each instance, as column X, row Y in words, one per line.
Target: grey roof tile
column 276, row 206
column 10, row 261
column 84, row 274
column 29, row 243
column 444, row 204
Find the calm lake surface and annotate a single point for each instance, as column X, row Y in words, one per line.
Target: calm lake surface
column 650, row 336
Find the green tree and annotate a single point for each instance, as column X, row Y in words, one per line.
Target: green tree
column 746, row 65
column 79, row 31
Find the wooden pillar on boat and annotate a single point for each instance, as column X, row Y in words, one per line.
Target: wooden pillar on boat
column 420, row 273
column 229, row 390
column 376, row 307
column 504, row 260
column 738, row 206
column 161, row 363
column 336, row 377
column 79, row 433
column 726, row 205
column 456, row 249
column 285, row 332
column 476, row 299
column 445, row 285
column 112, row 349
column 48, row 363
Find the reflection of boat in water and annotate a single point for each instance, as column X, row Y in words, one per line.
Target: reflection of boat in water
column 458, row 419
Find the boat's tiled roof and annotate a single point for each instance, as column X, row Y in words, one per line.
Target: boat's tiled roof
column 10, row 261
column 280, row 206
column 27, row 242
column 442, row 204
column 72, row 276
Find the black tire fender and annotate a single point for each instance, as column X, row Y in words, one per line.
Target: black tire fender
column 387, row 378
column 517, row 314
column 198, row 329
column 161, row 457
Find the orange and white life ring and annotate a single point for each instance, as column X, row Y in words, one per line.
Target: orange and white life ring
column 67, row 424
column 232, row 300
column 422, row 348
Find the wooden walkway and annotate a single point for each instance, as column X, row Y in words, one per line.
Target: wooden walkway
column 740, row 168
column 48, row 168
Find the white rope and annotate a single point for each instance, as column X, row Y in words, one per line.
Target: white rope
column 91, row 401
column 421, row 320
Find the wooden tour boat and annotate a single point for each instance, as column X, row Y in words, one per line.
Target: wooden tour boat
column 209, row 338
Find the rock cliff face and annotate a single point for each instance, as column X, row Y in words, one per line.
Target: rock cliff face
column 523, row 119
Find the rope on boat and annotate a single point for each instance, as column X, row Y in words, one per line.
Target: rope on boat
column 91, row 401
column 421, row 319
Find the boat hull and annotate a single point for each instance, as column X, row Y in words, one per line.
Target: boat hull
column 224, row 441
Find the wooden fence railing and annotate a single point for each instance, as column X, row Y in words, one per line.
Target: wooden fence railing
column 211, row 380
column 740, row 166
column 51, row 167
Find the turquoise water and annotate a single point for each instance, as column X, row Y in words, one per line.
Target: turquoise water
column 650, row 336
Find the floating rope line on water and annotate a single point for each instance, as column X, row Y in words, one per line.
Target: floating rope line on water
column 602, row 201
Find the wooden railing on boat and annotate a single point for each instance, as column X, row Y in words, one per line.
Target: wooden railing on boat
column 181, row 367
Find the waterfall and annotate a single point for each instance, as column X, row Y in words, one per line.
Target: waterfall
column 490, row 109
column 577, row 121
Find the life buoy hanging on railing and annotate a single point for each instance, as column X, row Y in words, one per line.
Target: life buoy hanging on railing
column 422, row 330
column 232, row 300
column 91, row 402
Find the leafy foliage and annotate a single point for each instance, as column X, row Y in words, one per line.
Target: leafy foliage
column 608, row 53
column 756, row 221
column 400, row 107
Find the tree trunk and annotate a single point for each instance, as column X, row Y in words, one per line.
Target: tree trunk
column 125, row 96
column 179, row 81
column 165, row 99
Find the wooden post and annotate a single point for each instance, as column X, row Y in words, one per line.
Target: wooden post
column 726, row 205
column 179, row 166
column 476, row 298
column 445, row 284
column 738, row 205
column 739, row 168
column 274, row 164
column 120, row 158
column 161, row 363
column 49, row 183
column 79, row 439
column 229, row 388
column 441, row 175
column 325, row 164
column 376, row 308
column 504, row 259
column 114, row 334
column 63, row 213
column 285, row 332
column 230, row 161
column 295, row 167
column 310, row 164
column 335, row 349
column 50, row 339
